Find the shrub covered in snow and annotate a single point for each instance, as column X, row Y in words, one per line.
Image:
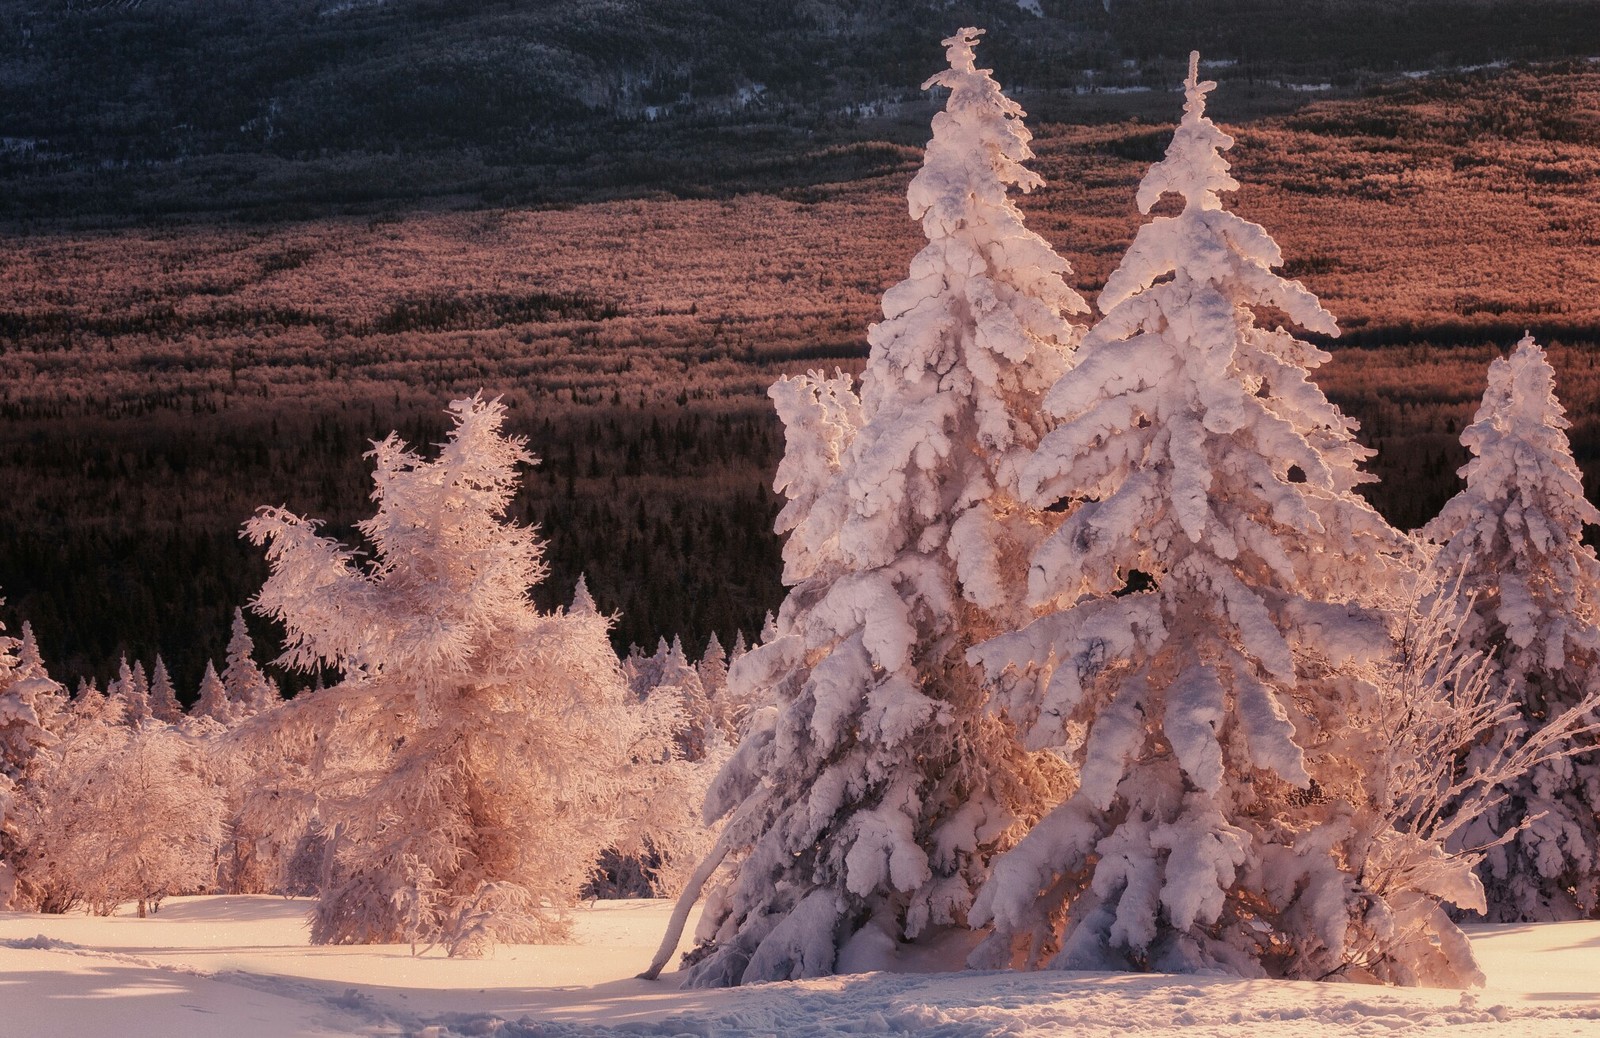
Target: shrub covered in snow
column 32, row 711
column 113, row 814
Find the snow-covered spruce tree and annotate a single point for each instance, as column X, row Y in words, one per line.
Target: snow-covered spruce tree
column 32, row 713
column 469, row 768
column 130, row 692
column 213, row 699
column 32, row 706
column 1511, row 541
column 677, row 678
column 1220, row 604
column 713, row 667
column 582, row 601
column 713, row 671
column 865, row 801
column 249, row 690
column 164, row 705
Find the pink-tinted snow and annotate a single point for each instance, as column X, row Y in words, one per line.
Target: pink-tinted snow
column 239, row 966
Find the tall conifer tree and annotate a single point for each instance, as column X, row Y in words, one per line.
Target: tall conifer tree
column 1219, row 600
column 871, row 788
column 1511, row 541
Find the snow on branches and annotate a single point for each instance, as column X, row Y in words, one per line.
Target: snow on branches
column 870, row 788
column 1213, row 623
column 468, row 771
column 1512, row 541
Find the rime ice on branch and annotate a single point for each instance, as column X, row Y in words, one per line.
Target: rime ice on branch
column 468, row 770
column 870, row 788
column 1512, row 538
column 1214, row 590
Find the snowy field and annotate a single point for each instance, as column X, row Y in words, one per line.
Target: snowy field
column 239, row 967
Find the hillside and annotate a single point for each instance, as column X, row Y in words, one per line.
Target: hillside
column 122, row 108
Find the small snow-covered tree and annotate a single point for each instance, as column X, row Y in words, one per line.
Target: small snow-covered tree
column 130, row 692
column 29, row 662
column 870, row 787
column 713, row 666
column 113, row 815
column 32, row 707
column 91, row 706
column 582, row 601
column 164, row 705
column 1220, row 611
column 213, row 698
column 32, row 713
column 470, row 767
column 677, row 678
column 141, row 683
column 1436, row 765
column 644, row 672
column 250, row 692
column 713, row 671
column 1512, row 540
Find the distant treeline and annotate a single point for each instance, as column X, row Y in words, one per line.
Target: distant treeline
column 284, row 107
column 131, row 545
column 160, row 382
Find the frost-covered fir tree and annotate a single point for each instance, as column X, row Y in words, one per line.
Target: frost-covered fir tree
column 713, row 671
column 582, row 601
column 31, row 715
column 1511, row 542
column 1209, row 665
column 141, row 684
column 164, row 705
column 213, row 698
column 30, row 664
column 250, row 692
column 471, row 765
column 32, row 707
column 130, row 692
column 865, row 801
column 677, row 678
column 713, row 666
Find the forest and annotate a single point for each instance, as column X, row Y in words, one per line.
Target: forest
column 163, row 379
column 295, row 108
column 1091, row 655
column 1239, row 624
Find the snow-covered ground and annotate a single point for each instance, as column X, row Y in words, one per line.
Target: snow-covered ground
column 238, row 967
